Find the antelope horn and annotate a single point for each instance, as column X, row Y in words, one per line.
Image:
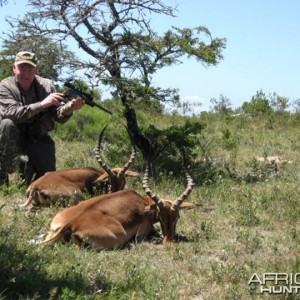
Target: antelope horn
column 149, row 193
column 131, row 158
column 190, row 185
column 100, row 160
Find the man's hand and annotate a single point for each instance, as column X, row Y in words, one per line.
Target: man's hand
column 74, row 104
column 53, row 99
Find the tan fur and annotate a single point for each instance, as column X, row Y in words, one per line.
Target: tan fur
column 274, row 159
column 108, row 221
column 65, row 187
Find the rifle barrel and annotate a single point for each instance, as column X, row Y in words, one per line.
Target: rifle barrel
column 101, row 107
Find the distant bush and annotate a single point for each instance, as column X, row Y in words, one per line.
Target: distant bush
column 279, row 104
column 259, row 105
column 221, row 106
column 85, row 124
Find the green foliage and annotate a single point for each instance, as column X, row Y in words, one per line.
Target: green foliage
column 229, row 141
column 85, row 124
column 259, row 105
column 53, row 61
column 5, row 66
column 184, row 136
column 147, row 99
column 170, row 142
column 187, row 41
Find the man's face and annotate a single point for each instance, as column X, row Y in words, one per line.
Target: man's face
column 25, row 74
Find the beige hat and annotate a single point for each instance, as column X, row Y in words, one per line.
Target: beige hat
column 25, row 57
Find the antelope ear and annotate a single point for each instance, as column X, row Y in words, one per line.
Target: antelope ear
column 187, row 205
column 127, row 173
column 168, row 202
column 184, row 205
column 132, row 174
column 117, row 170
column 102, row 178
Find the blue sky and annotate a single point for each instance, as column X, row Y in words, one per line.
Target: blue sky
column 262, row 52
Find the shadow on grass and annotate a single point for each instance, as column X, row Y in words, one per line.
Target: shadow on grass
column 22, row 276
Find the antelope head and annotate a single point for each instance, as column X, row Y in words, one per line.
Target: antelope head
column 168, row 211
column 116, row 176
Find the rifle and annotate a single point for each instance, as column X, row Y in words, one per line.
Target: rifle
column 73, row 92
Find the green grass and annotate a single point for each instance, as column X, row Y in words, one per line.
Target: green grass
column 238, row 228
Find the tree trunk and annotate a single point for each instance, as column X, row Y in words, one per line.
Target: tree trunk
column 138, row 138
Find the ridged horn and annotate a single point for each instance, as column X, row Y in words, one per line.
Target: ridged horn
column 190, row 184
column 131, row 158
column 148, row 192
column 100, row 160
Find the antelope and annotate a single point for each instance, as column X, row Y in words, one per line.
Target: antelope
column 274, row 160
column 168, row 211
column 111, row 221
column 69, row 185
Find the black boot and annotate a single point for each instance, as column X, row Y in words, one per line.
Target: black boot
column 3, row 176
column 3, row 179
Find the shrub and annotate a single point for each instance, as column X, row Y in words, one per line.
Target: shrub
column 259, row 105
column 85, row 124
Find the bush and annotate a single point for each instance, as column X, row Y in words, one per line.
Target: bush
column 259, row 105
column 85, row 124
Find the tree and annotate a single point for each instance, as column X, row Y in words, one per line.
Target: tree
column 222, row 106
column 279, row 103
column 123, row 50
column 296, row 105
column 53, row 59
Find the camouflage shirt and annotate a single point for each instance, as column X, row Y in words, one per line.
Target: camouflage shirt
column 24, row 106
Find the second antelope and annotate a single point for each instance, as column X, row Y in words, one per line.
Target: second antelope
column 111, row 221
column 69, row 185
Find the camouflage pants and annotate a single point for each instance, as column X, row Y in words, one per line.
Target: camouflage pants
column 10, row 146
column 14, row 143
